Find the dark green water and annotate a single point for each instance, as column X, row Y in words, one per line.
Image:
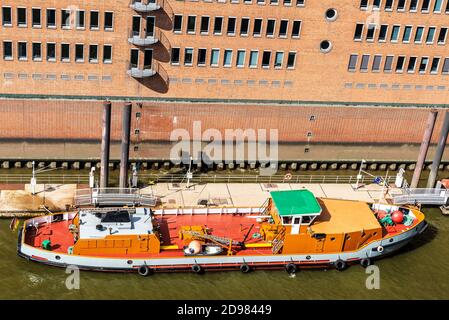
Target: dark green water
column 420, row 271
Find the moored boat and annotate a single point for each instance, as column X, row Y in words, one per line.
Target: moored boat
column 293, row 229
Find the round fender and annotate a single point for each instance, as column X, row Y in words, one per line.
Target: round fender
column 366, row 262
column 340, row 265
column 196, row 268
column 143, row 271
column 291, row 268
column 245, row 268
column 380, row 249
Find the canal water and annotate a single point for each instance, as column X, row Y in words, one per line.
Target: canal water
column 419, row 271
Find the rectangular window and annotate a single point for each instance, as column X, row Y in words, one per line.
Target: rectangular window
column 411, row 65
column 65, row 19
column 383, row 32
column 370, row 32
column 22, row 50
column 266, row 58
column 291, row 60
column 51, row 52
column 388, row 5
column 108, row 21
column 257, row 30
column 240, row 63
column 7, row 50
column 191, row 23
column 364, row 4
column 437, row 6
column 283, row 29
column 395, row 34
column 419, row 34
column 446, row 66
column 107, row 53
column 407, row 34
column 231, row 26
column 270, row 27
column 376, row 4
column 37, row 51
column 287, row 2
column 388, row 64
column 278, row 59
column 442, row 36
column 175, row 52
column 6, row 16
column 400, row 64
column 401, row 5
column 134, row 58
column 435, row 65
column 94, row 20
column 36, row 17
column 413, row 5
column 447, row 7
column 177, row 23
column 51, row 18
column 352, row 62
column 423, row 64
column 188, row 56
column 425, row 6
column 201, row 57
column 227, row 58
column 358, row 31
column 364, row 63
column 430, row 35
column 80, row 17
column 204, row 25
column 93, row 53
column 22, row 17
column 214, row 57
column 377, row 60
column 300, row 3
column 65, row 52
column 296, row 29
column 79, row 53
column 244, row 27
column 253, row 59
column 218, row 25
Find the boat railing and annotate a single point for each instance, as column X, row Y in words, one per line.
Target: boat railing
column 113, row 197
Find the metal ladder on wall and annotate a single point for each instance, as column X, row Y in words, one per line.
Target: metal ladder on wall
column 278, row 242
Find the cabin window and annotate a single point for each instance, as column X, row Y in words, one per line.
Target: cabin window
column 287, row 220
column 306, row 219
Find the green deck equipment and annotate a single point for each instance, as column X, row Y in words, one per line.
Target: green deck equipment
column 46, row 245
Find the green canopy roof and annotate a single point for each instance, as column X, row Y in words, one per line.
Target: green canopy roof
column 295, row 202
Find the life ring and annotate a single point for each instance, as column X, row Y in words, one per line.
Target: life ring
column 196, row 268
column 365, row 262
column 245, row 268
column 340, row 265
column 380, row 249
column 288, row 176
column 143, row 271
column 291, row 268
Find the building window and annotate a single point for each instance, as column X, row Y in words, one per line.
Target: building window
column 253, row 58
column 287, row 2
column 94, row 20
column 358, row 31
column 227, row 58
column 205, row 25
column 188, row 56
column 266, row 58
column 377, row 60
column 65, row 52
column 435, row 65
column 383, row 33
column 175, row 52
column 22, row 51
column 244, row 27
column 93, row 53
column 401, row 5
column 400, row 64
column 278, row 59
column 51, row 52
column 270, row 27
column 395, row 34
column 442, row 36
column 201, row 57
column 6, row 16
column 430, row 35
column 364, row 4
column 134, row 58
column 407, row 34
column 376, row 4
column 352, row 62
column 79, row 53
column 411, row 65
column 36, row 17
column 370, row 32
column 425, row 6
column 37, row 51
column 364, row 63
column 419, row 34
column 300, row 3
column 108, row 21
column 7, row 50
column 191, row 22
column 218, row 25
column 21, row 17
column 388, row 63
column 388, row 5
column 437, row 6
column 296, row 29
column 214, row 57
column 283, row 29
column 240, row 62
column 423, row 64
column 446, row 66
column 231, row 26
column 65, row 19
column 257, row 30
column 291, row 60
column 177, row 24
column 413, row 5
column 80, row 24
column 107, row 53
column 51, row 18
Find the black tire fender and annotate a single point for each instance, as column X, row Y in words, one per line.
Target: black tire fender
column 143, row 271
column 365, row 262
column 340, row 265
column 245, row 268
column 291, row 268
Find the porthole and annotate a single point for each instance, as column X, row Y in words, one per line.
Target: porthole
column 308, row 257
column 129, row 262
column 331, row 14
column 58, row 258
column 325, row 46
column 391, row 240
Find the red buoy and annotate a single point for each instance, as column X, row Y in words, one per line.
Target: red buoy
column 381, row 214
column 397, row 217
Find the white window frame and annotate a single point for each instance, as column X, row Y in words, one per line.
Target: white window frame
column 26, row 17
column 46, row 52
column 12, row 17
column 80, row 61
column 294, row 62
column 11, row 58
column 257, row 60
column 104, row 22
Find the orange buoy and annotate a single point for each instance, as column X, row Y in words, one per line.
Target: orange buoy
column 195, row 247
column 397, row 217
